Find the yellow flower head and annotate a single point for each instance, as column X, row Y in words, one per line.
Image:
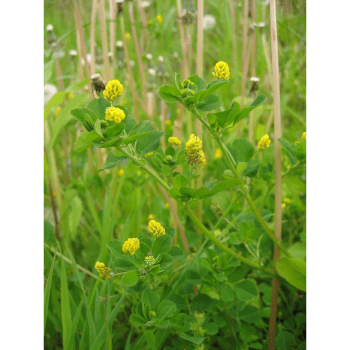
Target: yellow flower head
column 303, row 136
column 174, row 141
column 131, row 245
column 147, row 155
column 286, row 200
column 218, row 153
column 114, row 114
column 120, row 172
column 113, row 89
column 127, row 36
column 283, row 206
column 150, row 217
column 149, row 260
column 156, row 228
column 70, row 96
column 57, row 111
column 194, row 152
column 167, row 205
column 103, row 271
column 221, row 70
column 264, row 142
column 160, row 19
column 178, row 111
column 168, row 122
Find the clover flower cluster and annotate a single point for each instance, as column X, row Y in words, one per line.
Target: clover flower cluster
column 113, row 89
column 303, row 136
column 103, row 271
column 150, row 261
column 218, row 153
column 131, row 245
column 156, row 228
column 174, row 141
column 264, row 142
column 221, row 70
column 147, row 155
column 159, row 19
column 114, row 114
column 194, row 152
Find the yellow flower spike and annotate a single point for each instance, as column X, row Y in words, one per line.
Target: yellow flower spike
column 160, row 19
column 174, row 141
column 131, row 245
column 264, row 142
column 113, row 89
column 70, row 96
column 103, row 271
column 286, row 200
column 218, row 153
column 303, row 136
column 149, row 260
column 156, row 228
column 120, row 172
column 57, row 111
column 194, row 152
column 283, row 206
column 150, row 217
column 221, row 70
column 127, row 36
column 114, row 114
column 168, row 122
column 147, row 155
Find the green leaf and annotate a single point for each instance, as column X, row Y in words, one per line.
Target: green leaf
column 85, row 140
column 241, row 167
column 137, row 320
column 196, row 340
column 74, row 325
column 56, row 100
column 211, row 328
column 130, row 278
column 98, row 106
column 289, row 148
column 78, row 85
column 206, row 264
column 169, row 93
column 165, row 309
column 115, row 247
column 98, row 128
column 293, row 270
column 210, row 103
column 226, row 292
column 150, row 298
column 201, row 302
column 178, row 80
column 201, row 85
column 284, row 341
column 48, row 289
column 187, row 191
column 166, row 261
column 245, row 111
column 133, row 138
column 112, row 161
column 201, row 192
column 246, row 290
column 235, row 109
column 298, row 250
column 161, row 245
column 223, row 185
column 149, row 143
column 130, row 123
column 179, row 181
column 221, row 117
column 114, row 130
column 256, row 346
column 84, row 116
column 124, row 264
column 241, row 150
column 175, row 252
column 65, row 305
column 250, row 314
column 252, row 168
column 48, row 68
column 75, row 214
column 142, row 252
column 199, row 96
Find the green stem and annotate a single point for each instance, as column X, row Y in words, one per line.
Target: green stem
column 226, row 212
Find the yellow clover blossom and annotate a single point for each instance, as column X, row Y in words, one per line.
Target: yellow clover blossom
column 149, row 260
column 194, row 152
column 286, row 200
column 167, row 205
column 264, row 142
column 221, row 70
column 283, row 206
column 115, row 114
column 131, row 245
column 147, row 155
column 156, row 228
column 103, row 271
column 168, row 122
column 178, row 111
column 160, row 19
column 150, row 217
column 70, row 96
column 218, row 153
column 303, row 136
column 127, row 36
column 113, row 89
column 120, row 172
column 57, row 111
column 174, row 141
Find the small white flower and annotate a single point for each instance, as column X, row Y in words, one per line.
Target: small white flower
column 152, row 72
column 49, row 91
column 119, row 43
column 132, row 64
column 209, row 22
column 145, row 4
column 119, row 1
column 73, row 53
column 266, row 2
column 49, row 27
column 110, row 54
column 254, row 79
column 149, row 56
column 160, row 59
column 175, row 55
column 58, row 54
column 260, row 25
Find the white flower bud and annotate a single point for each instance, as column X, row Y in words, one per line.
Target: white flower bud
column 49, row 27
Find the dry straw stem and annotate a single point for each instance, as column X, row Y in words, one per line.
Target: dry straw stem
column 104, row 40
column 128, row 66
column 112, row 29
column 278, row 174
column 144, row 34
column 137, row 49
column 92, row 34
